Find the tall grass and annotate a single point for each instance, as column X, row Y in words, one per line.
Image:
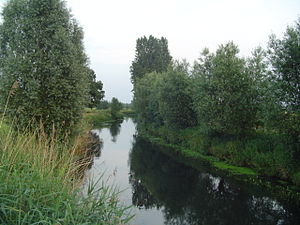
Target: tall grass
column 40, row 183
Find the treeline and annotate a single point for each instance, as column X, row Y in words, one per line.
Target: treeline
column 105, row 104
column 251, row 105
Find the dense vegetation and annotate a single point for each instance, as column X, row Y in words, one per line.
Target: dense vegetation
column 96, row 94
column 103, row 117
column 45, row 83
column 242, row 110
column 44, row 70
column 40, row 179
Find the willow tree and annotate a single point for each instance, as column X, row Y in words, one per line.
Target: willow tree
column 42, row 54
column 175, row 100
column 284, row 55
column 225, row 97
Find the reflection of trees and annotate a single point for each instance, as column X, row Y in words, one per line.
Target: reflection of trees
column 94, row 148
column 190, row 197
column 114, row 130
column 141, row 197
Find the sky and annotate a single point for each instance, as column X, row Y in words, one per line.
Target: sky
column 112, row 27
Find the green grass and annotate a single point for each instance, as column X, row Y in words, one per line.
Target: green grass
column 40, row 182
column 97, row 117
column 100, row 118
column 127, row 112
column 234, row 169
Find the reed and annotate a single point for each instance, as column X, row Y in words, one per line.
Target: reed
column 39, row 183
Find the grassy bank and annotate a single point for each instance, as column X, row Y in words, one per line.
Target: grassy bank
column 259, row 159
column 40, row 183
column 100, row 118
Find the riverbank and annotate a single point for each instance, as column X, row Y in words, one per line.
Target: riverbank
column 41, row 177
column 102, row 118
column 231, row 158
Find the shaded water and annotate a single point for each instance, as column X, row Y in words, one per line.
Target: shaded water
column 164, row 191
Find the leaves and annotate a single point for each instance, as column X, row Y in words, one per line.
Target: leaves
column 224, row 93
column 151, row 55
column 41, row 48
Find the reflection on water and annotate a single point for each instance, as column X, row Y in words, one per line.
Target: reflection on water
column 115, row 130
column 187, row 196
column 165, row 191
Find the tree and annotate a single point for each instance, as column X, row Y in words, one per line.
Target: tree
column 257, row 68
column 96, row 93
column 151, row 55
column 104, row 104
column 224, row 93
column 285, row 58
column 146, row 102
column 115, row 107
column 284, row 55
column 43, row 54
column 175, row 100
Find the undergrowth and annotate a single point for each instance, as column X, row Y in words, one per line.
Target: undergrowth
column 101, row 117
column 267, row 153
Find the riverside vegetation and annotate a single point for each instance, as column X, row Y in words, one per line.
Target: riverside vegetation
column 45, row 84
column 240, row 113
column 112, row 113
column 40, row 182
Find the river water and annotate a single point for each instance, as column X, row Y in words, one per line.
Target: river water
column 166, row 192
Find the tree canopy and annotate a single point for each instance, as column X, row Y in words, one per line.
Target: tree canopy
column 96, row 93
column 115, row 107
column 42, row 54
column 151, row 55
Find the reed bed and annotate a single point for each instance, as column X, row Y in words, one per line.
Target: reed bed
column 40, row 180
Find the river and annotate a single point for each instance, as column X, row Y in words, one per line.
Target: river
column 166, row 192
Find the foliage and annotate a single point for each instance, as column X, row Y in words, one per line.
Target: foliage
column 43, row 65
column 175, row 100
column 284, row 56
column 104, row 104
column 146, row 102
column 99, row 118
column 115, row 107
column 244, row 111
column 225, row 95
column 39, row 183
column 188, row 194
column 151, row 55
column 96, row 93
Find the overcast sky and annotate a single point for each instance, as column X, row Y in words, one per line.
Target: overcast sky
column 112, row 26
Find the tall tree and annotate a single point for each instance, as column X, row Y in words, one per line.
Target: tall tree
column 146, row 102
column 96, row 93
column 41, row 51
column 224, row 94
column 175, row 100
column 151, row 55
column 285, row 58
column 284, row 55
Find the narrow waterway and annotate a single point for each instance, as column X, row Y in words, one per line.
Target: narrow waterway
column 166, row 192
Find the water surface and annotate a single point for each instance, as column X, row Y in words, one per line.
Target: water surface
column 166, row 192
